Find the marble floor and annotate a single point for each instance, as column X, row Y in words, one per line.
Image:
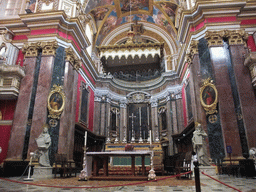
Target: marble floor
column 207, row 185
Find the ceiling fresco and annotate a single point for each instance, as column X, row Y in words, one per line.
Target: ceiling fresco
column 110, row 14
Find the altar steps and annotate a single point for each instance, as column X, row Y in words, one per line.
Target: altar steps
column 120, row 178
column 124, row 171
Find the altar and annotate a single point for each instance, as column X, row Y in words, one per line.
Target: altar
column 97, row 157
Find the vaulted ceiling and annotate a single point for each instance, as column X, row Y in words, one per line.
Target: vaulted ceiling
column 113, row 18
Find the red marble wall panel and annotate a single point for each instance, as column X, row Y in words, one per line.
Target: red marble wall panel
column 5, row 131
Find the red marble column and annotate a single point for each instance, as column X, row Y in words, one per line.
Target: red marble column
column 42, row 93
column 226, row 103
column 245, row 91
column 20, row 119
column 67, row 126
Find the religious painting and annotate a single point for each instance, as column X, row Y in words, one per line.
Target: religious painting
column 84, row 100
column 99, row 13
column 128, row 7
column 92, row 4
column 170, row 9
column 188, row 102
column 209, row 96
column 56, row 102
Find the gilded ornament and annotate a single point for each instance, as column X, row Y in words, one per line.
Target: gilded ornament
column 30, row 50
column 73, row 59
column 49, row 48
column 209, row 97
column 193, row 49
column 215, row 38
column 237, row 37
column 56, row 102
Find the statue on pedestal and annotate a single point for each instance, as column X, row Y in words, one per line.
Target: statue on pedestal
column 199, row 144
column 43, row 143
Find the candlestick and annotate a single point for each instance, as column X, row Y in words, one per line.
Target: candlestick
column 148, row 114
column 150, row 137
column 140, row 114
column 85, row 138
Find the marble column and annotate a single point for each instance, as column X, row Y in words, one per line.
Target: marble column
column 103, row 117
column 169, row 125
column 154, row 116
column 20, row 119
column 42, row 92
column 226, row 103
column 123, row 123
column 97, row 115
column 107, row 115
column 244, row 87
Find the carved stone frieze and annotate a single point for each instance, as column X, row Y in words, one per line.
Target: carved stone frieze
column 215, row 38
column 250, row 62
column 193, row 49
column 138, row 97
column 72, row 58
column 46, row 5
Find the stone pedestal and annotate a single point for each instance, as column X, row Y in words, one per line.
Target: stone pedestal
column 42, row 173
column 209, row 170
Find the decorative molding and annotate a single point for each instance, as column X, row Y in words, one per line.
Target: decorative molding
column 192, row 50
column 250, row 62
column 138, row 97
column 42, row 3
column 72, row 58
column 209, row 97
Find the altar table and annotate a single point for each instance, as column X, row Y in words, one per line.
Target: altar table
column 105, row 156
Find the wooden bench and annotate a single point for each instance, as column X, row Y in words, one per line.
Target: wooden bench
column 183, row 165
column 63, row 167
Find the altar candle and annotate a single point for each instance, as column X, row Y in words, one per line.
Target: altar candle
column 85, row 138
column 148, row 114
column 140, row 114
column 150, row 137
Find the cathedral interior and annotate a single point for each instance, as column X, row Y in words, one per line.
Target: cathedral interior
column 137, row 72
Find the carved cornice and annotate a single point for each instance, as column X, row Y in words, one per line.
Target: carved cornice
column 31, row 49
column 193, row 49
column 72, row 58
column 215, row 38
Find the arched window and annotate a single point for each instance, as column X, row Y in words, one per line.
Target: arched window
column 12, row 7
column 89, row 34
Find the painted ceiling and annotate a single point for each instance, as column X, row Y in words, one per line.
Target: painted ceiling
column 111, row 14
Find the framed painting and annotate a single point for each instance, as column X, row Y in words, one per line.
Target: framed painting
column 209, row 97
column 56, row 102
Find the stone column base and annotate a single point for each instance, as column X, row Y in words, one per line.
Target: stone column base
column 42, row 173
column 209, row 170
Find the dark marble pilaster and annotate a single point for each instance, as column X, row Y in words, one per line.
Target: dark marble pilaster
column 18, row 131
column 40, row 107
column 97, row 115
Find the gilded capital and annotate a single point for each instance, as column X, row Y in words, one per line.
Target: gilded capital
column 31, row 49
column 215, row 38
column 192, row 50
column 237, row 37
column 49, row 48
column 72, row 58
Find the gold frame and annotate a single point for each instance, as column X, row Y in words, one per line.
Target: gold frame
column 55, row 113
column 209, row 108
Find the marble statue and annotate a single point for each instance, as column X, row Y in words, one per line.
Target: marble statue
column 198, row 141
column 43, row 143
column 3, row 50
